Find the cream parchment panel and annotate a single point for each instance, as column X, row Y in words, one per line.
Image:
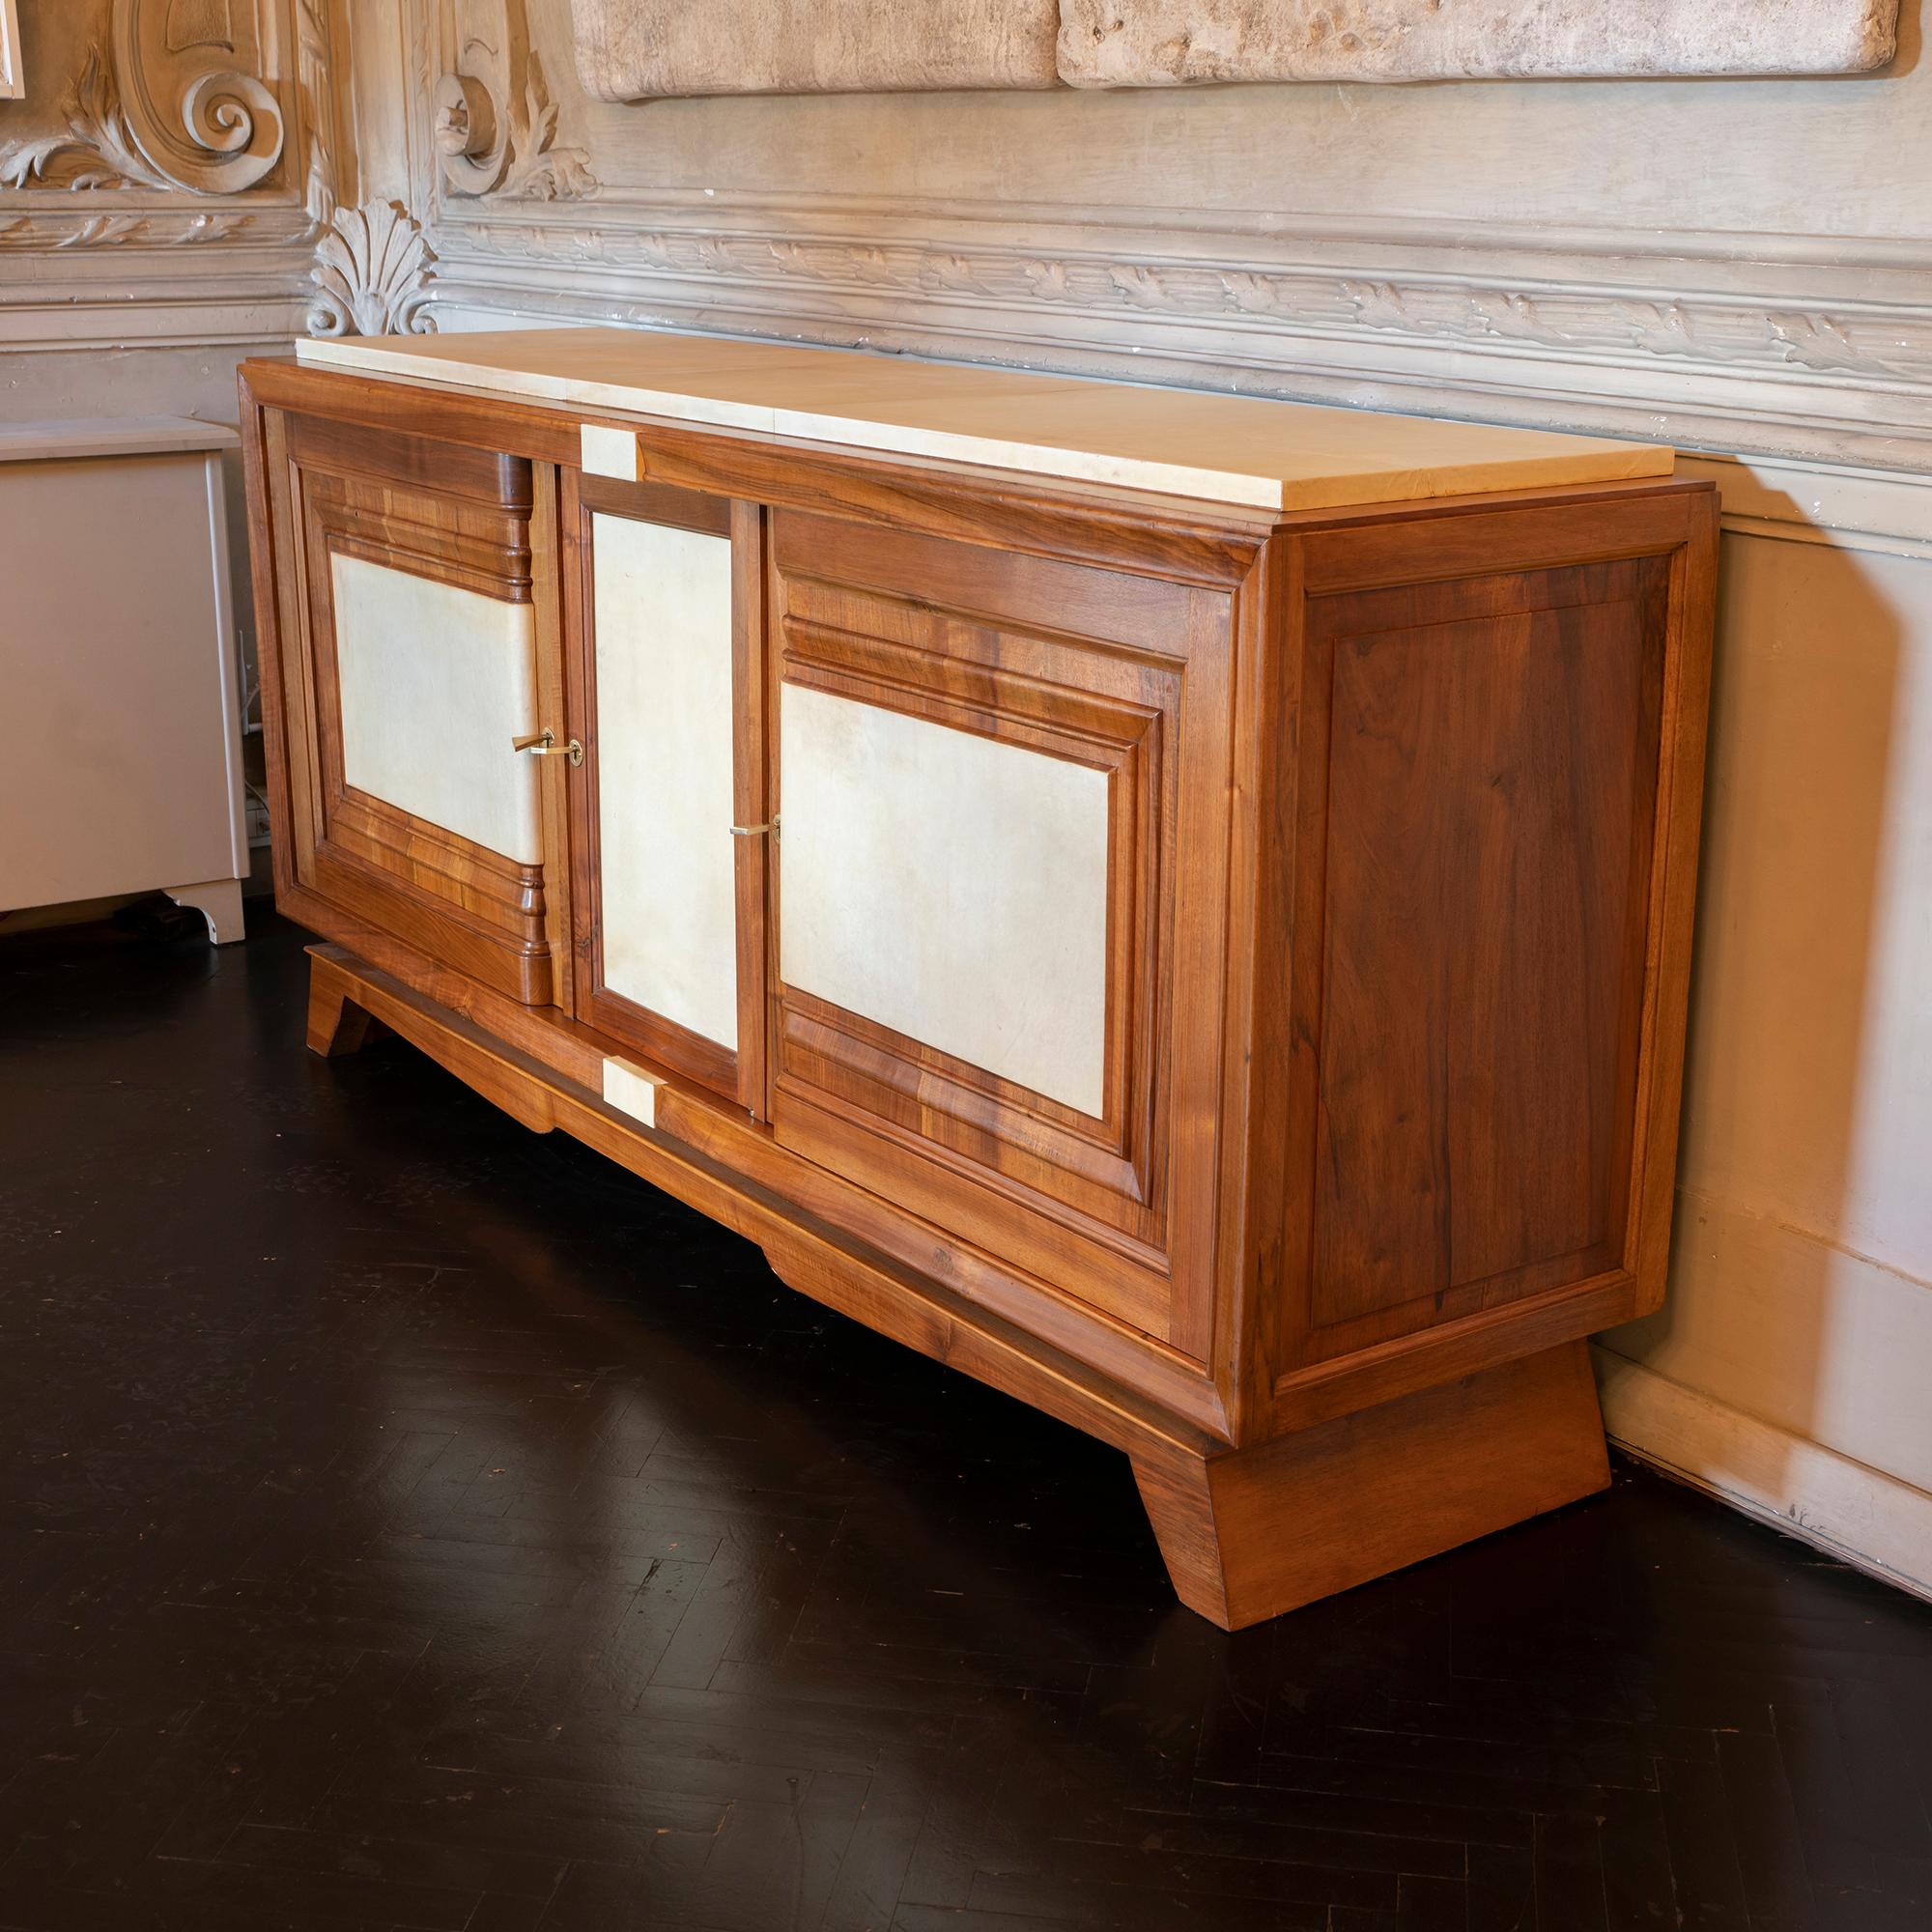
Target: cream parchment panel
column 669, row 892
column 1166, row 43
column 435, row 683
column 950, row 887
column 633, row 49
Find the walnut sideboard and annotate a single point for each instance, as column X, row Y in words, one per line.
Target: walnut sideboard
column 1177, row 906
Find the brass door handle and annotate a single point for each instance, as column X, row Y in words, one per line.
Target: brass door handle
column 754, row 831
column 544, row 744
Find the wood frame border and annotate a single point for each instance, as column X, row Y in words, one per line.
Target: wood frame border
column 1137, row 1243
column 362, row 495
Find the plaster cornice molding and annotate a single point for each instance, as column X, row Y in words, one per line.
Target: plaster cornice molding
column 154, row 228
column 1874, row 341
column 1840, row 507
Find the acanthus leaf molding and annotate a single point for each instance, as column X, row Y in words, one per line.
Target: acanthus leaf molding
column 372, row 273
column 373, row 263
column 1878, row 343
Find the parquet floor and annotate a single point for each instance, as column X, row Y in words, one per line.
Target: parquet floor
column 409, row 1521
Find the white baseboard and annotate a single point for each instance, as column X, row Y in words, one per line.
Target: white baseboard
column 1864, row 1517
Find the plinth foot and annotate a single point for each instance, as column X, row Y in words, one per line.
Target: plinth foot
column 1255, row 1532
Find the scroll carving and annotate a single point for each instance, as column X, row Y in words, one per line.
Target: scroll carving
column 168, row 103
column 496, row 123
column 474, row 153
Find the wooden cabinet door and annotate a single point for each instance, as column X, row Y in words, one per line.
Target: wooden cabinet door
column 667, row 809
column 412, row 660
column 1002, row 874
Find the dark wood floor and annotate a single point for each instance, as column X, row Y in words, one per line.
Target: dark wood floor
column 409, row 1521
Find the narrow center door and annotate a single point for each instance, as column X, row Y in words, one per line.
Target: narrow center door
column 668, row 827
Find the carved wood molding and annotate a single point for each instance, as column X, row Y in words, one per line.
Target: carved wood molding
column 170, row 103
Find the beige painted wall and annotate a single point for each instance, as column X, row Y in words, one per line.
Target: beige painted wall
column 1801, row 1307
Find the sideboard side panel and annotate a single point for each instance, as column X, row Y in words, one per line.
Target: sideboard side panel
column 1491, row 786
column 1479, row 918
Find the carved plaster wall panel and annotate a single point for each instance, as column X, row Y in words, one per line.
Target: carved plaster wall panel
column 152, row 193
column 1170, row 42
column 12, row 75
column 174, row 101
column 205, row 189
column 496, row 121
column 631, row 50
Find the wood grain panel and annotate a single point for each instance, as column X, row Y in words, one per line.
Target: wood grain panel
column 1491, row 788
column 447, row 516
column 842, row 1270
column 1102, row 669
column 1251, row 1534
column 1186, row 541
column 365, row 456
column 708, row 1128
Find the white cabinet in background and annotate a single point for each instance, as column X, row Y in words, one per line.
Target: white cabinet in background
column 123, row 765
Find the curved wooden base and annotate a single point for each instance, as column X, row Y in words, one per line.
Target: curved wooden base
column 1246, row 1533
column 351, row 1001
column 336, row 1024
column 1255, row 1532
